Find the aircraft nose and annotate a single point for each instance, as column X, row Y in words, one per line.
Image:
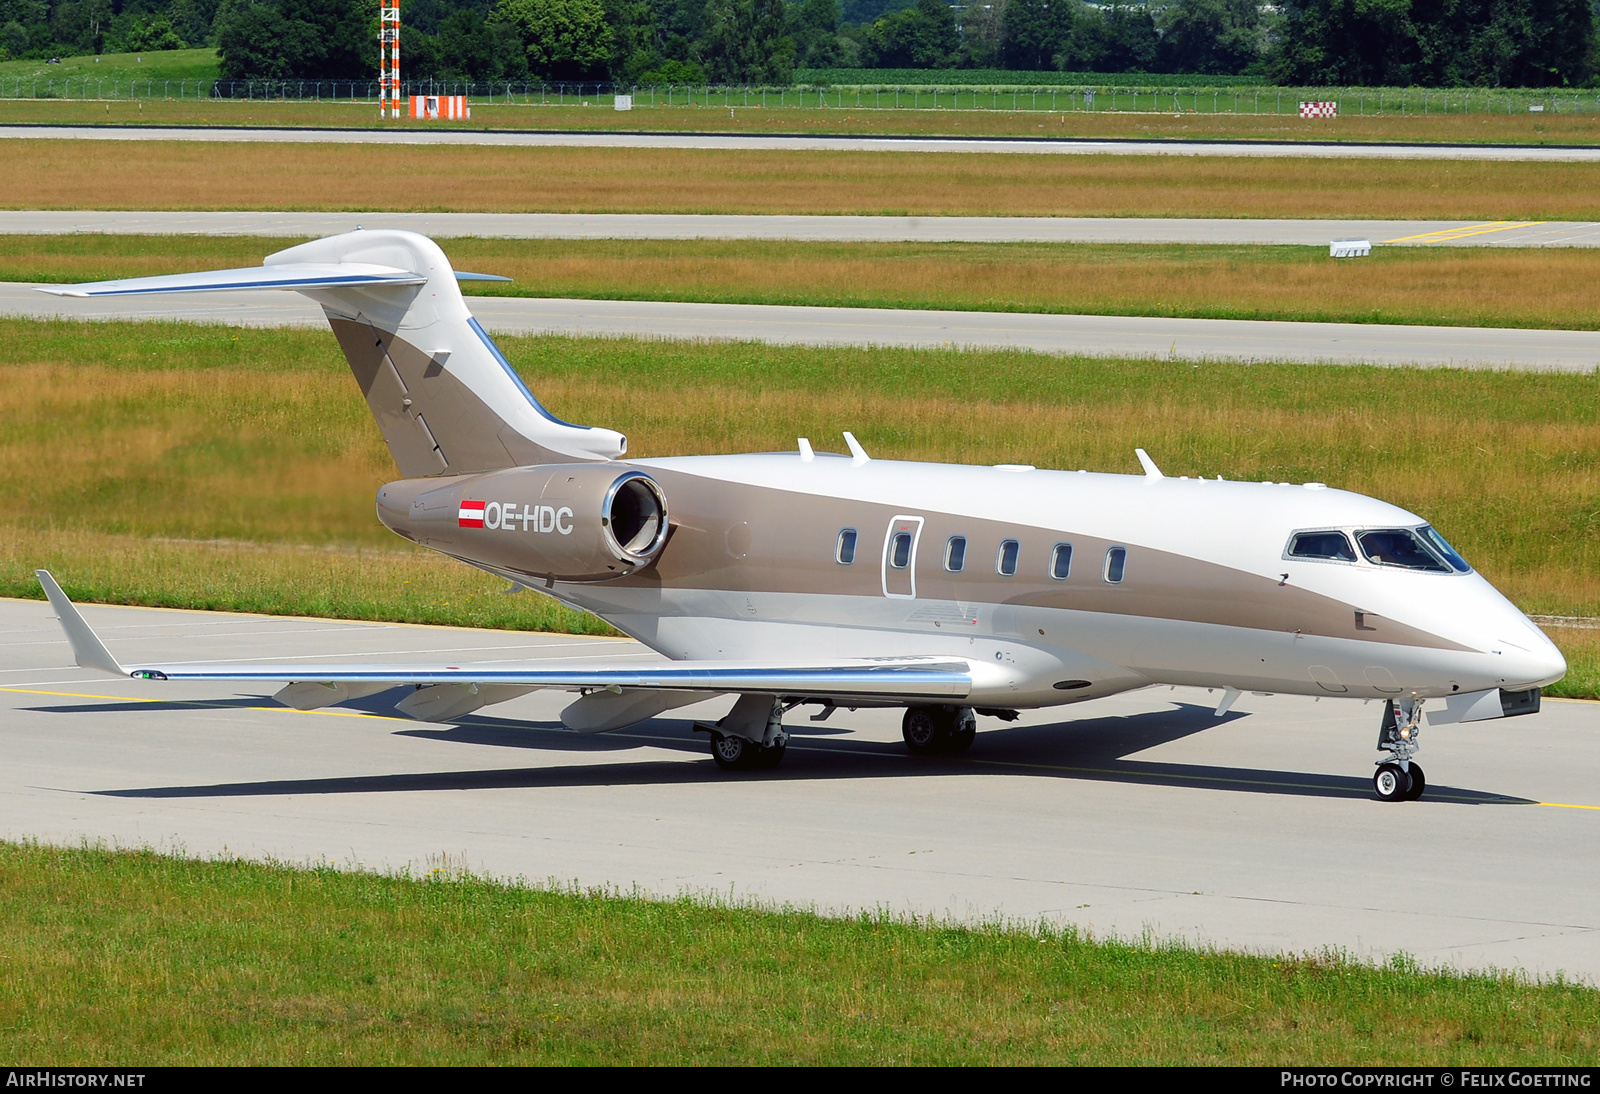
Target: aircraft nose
column 1529, row 658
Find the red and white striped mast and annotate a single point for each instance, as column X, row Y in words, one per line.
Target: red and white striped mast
column 389, row 56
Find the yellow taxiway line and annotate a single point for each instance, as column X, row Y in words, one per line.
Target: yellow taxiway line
column 1445, row 235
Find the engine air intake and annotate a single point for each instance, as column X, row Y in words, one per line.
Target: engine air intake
column 635, row 517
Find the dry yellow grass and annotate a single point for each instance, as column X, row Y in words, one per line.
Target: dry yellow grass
column 1478, row 286
column 1523, row 128
column 1475, row 286
column 232, row 454
column 393, row 582
column 195, row 175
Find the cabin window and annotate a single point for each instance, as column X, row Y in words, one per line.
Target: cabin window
column 900, row 550
column 955, row 553
column 1399, row 547
column 1332, row 546
column 1006, row 561
column 844, row 552
column 1061, row 561
column 1116, row 564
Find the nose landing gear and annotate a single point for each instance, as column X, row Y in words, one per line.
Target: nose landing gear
column 1399, row 778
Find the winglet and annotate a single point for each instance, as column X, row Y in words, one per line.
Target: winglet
column 87, row 649
column 1151, row 471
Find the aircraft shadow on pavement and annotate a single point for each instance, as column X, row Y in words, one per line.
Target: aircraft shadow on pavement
column 1091, row 749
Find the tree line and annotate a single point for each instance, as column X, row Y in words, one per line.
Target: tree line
column 1504, row 43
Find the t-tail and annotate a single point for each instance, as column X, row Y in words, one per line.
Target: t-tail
column 444, row 396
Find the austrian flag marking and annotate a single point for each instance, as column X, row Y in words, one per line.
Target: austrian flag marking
column 471, row 514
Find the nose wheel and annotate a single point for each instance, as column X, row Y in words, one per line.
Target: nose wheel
column 1399, row 778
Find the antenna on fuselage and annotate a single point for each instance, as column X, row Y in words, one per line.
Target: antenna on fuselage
column 858, row 455
column 1151, row 471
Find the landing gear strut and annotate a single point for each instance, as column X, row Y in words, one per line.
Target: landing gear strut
column 750, row 736
column 930, row 730
column 1399, row 778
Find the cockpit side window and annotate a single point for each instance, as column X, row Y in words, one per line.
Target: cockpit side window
column 1399, row 547
column 1443, row 549
column 1330, row 546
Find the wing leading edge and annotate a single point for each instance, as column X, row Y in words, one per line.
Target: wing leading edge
column 897, row 678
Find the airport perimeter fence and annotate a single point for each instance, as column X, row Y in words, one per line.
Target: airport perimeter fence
column 1360, row 101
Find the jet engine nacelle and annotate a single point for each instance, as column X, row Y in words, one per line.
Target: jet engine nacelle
column 566, row 522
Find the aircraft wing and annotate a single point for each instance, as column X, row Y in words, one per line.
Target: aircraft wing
column 896, row 678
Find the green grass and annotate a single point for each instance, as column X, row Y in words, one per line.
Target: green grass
column 137, row 959
column 171, row 64
column 117, row 434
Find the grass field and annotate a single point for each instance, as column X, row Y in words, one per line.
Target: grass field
column 1547, row 288
column 140, row 959
column 168, row 64
column 127, row 450
column 1518, row 128
column 201, row 175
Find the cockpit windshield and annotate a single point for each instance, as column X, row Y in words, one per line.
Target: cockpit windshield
column 1404, row 548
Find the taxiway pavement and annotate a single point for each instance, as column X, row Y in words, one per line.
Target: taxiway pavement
column 834, row 229
column 437, row 135
column 1095, row 335
column 1137, row 814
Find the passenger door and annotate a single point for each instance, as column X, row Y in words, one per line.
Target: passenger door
column 900, row 557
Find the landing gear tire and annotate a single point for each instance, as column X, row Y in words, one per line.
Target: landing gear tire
column 926, row 729
column 1390, row 783
column 1397, row 735
column 1419, row 782
column 964, row 730
column 732, row 753
column 929, row 730
column 770, row 755
column 738, row 754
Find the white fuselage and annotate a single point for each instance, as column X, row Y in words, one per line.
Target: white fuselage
column 1208, row 596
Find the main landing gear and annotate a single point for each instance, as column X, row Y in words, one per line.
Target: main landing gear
column 750, row 736
column 930, row 730
column 1399, row 778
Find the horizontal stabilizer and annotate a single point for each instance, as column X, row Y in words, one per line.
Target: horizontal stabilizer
column 292, row 276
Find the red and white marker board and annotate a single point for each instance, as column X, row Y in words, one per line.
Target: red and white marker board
column 449, row 107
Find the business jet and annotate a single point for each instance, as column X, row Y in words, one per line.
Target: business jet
column 837, row 580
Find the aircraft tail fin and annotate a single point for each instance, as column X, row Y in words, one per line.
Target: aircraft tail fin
column 443, row 394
